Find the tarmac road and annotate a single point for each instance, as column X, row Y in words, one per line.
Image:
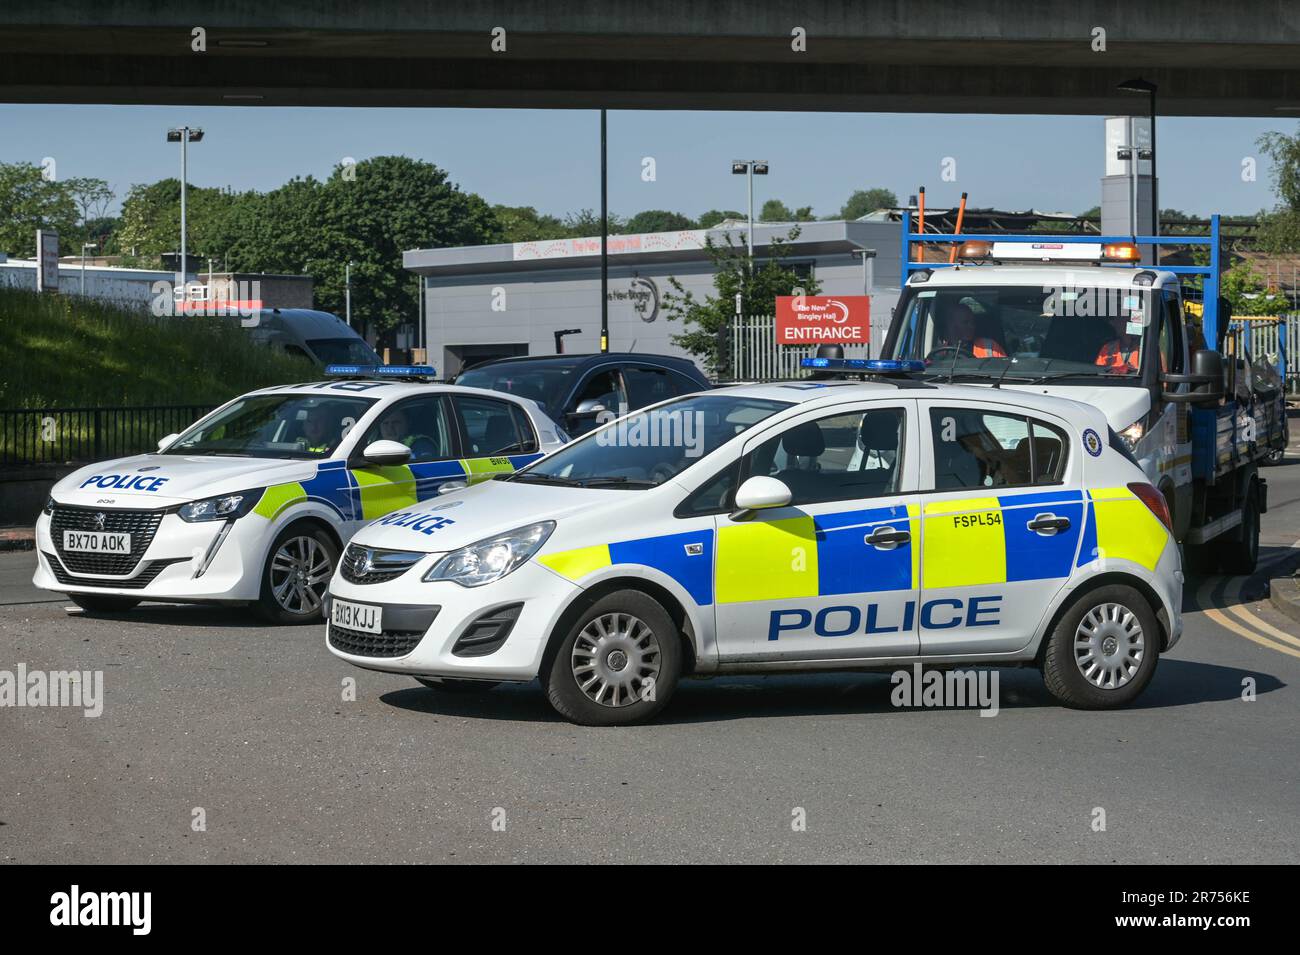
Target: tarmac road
column 207, row 710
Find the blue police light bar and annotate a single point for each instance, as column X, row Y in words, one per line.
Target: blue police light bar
column 874, row 366
column 380, row 371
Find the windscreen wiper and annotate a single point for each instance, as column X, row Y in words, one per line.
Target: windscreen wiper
column 541, row 479
column 620, row 481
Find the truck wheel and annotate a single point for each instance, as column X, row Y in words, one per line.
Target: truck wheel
column 617, row 664
column 103, row 603
column 297, row 572
column 1239, row 555
column 456, row 686
column 1103, row 651
column 1200, row 559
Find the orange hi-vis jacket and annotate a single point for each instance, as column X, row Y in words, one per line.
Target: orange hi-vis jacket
column 987, row 348
column 1114, row 357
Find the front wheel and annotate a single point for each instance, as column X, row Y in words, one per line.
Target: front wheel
column 103, row 603
column 618, row 664
column 1103, row 651
column 297, row 572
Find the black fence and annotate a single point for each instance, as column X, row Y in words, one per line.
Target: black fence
column 51, row 436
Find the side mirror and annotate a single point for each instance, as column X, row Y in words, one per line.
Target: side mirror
column 589, row 408
column 759, row 493
column 1206, row 380
column 162, row 445
column 385, row 452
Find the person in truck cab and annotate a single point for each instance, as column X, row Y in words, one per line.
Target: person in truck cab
column 960, row 333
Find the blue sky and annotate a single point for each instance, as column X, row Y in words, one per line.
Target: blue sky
column 549, row 158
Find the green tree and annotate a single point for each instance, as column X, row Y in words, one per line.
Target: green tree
column 526, row 224
column 1279, row 229
column 865, row 201
column 1249, row 293
column 774, row 210
column 29, row 201
column 757, row 283
column 92, row 197
column 657, row 220
column 389, row 205
column 585, row 223
column 714, row 216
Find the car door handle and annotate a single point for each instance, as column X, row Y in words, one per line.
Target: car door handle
column 887, row 537
column 1049, row 522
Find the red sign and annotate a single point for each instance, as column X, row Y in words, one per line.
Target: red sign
column 823, row 319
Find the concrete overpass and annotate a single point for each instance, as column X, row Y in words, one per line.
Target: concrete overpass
column 996, row 56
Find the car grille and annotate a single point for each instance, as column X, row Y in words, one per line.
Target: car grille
column 382, row 565
column 141, row 525
column 143, row 579
column 390, row 643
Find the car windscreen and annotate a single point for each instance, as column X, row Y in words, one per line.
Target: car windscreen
column 343, row 351
column 547, row 384
column 649, row 447
column 275, row 426
column 1088, row 331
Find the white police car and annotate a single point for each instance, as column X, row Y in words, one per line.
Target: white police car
column 811, row 525
column 254, row 502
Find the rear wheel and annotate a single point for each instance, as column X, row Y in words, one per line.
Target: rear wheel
column 1240, row 554
column 103, row 603
column 618, row 664
column 1103, row 651
column 297, row 571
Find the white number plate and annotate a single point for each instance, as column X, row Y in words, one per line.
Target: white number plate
column 350, row 616
column 97, row 542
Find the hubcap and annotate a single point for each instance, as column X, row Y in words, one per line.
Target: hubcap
column 300, row 572
column 1109, row 646
column 613, row 658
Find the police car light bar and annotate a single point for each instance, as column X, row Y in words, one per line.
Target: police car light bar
column 380, row 371
column 871, row 366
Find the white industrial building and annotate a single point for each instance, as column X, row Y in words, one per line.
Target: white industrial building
column 498, row 300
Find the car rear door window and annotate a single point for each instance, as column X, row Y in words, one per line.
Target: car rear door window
column 975, row 448
column 487, row 426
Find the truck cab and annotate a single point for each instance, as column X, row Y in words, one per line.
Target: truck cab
column 1082, row 318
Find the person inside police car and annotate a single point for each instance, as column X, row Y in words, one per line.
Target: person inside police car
column 395, row 426
column 318, row 436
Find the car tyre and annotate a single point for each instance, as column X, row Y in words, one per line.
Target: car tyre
column 1103, row 651
column 618, row 663
column 103, row 603
column 286, row 597
column 1239, row 556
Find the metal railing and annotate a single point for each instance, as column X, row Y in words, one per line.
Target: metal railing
column 31, row 436
column 755, row 354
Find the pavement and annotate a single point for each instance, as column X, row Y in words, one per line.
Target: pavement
column 224, row 741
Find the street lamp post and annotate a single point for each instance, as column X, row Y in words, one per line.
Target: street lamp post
column 84, row 247
column 750, row 168
column 1140, row 85
column 184, row 135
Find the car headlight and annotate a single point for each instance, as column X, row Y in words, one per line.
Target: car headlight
column 221, row 508
column 1133, row 434
column 491, row 559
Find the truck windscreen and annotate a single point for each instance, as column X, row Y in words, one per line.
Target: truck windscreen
column 1079, row 330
